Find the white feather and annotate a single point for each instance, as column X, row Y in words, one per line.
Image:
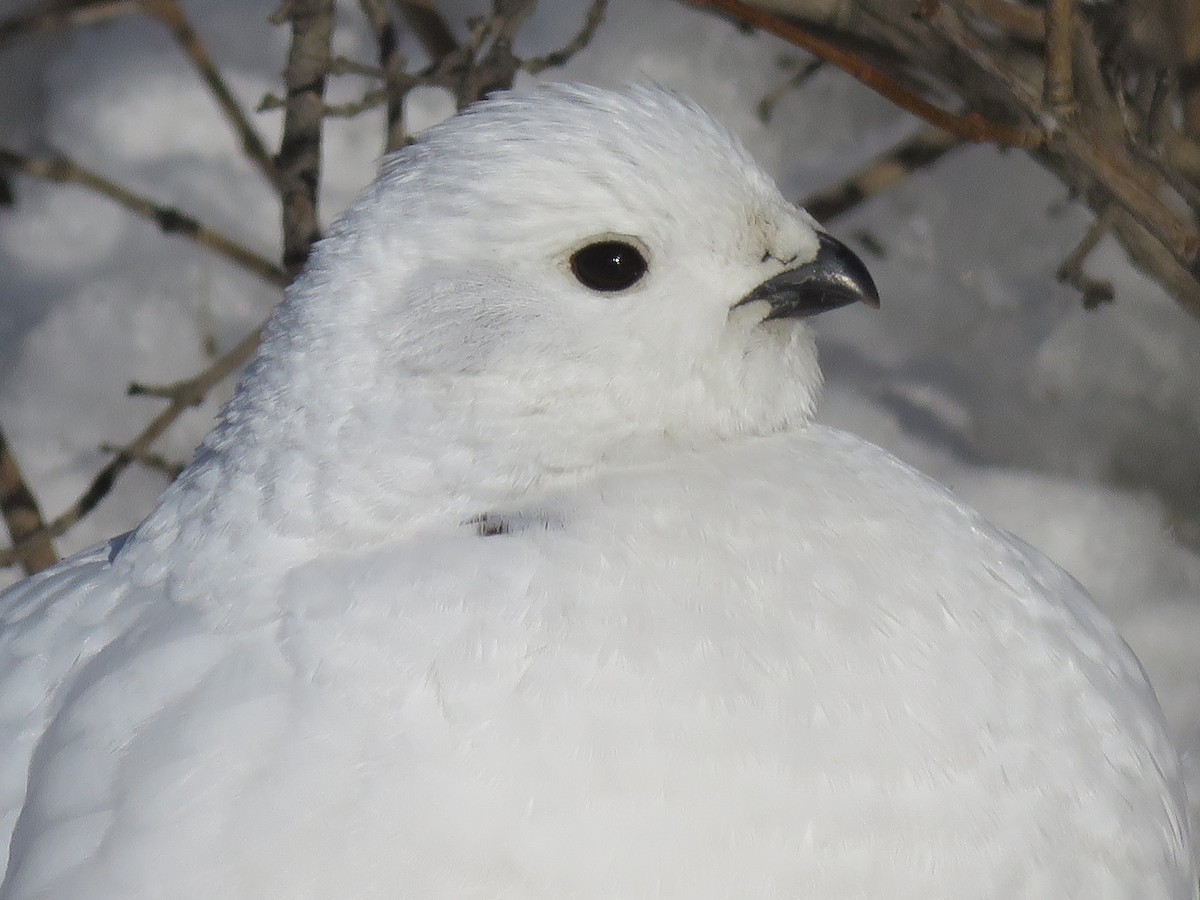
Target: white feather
column 716, row 652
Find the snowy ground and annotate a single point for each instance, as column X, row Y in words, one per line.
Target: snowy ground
column 1076, row 430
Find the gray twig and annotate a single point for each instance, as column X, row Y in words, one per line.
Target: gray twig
column 922, row 149
column 33, row 548
column 299, row 159
column 171, row 14
column 169, row 219
column 593, row 20
column 185, row 394
column 49, row 16
column 429, row 27
column 392, row 63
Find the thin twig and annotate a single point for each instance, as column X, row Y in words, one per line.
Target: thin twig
column 347, row 110
column 171, row 14
column 21, row 514
column 340, row 65
column 353, row 108
column 169, row 219
column 922, row 149
column 391, row 62
column 1096, row 292
column 299, row 159
column 155, row 462
column 186, row 394
column 971, row 127
column 430, row 28
column 766, row 106
column 1176, row 233
column 593, row 20
column 495, row 69
column 49, row 16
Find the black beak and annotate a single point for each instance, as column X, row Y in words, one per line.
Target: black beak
column 836, row 277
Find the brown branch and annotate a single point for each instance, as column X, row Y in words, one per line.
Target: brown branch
column 1059, row 88
column 1186, row 26
column 185, row 394
column 168, row 219
column 21, row 514
column 299, row 159
column 1021, row 22
column 1095, row 291
column 1183, row 154
column 971, row 127
column 922, row 149
column 1178, row 235
column 992, row 55
column 171, row 14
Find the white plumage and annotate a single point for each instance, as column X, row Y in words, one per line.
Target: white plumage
column 493, row 585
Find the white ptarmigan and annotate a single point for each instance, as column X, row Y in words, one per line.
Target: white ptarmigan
column 515, row 570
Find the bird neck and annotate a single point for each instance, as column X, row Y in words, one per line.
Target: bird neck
column 314, row 455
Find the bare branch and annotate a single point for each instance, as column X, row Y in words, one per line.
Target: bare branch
column 171, row 14
column 170, row 220
column 1114, row 150
column 1178, row 235
column 352, row 108
column 299, row 159
column 391, row 61
column 1021, row 22
column 971, row 127
column 1095, row 292
column 21, row 514
column 595, row 16
column 429, row 27
column 155, row 462
column 922, row 149
column 496, row 68
column 766, row 106
column 185, row 394
column 340, row 65
column 1059, row 88
column 49, row 16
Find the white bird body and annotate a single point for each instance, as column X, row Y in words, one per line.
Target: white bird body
column 489, row 586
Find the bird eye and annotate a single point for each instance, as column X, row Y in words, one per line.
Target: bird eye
column 608, row 266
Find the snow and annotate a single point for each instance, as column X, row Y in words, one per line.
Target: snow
column 1077, row 430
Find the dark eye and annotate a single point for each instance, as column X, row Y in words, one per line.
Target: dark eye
column 608, row 265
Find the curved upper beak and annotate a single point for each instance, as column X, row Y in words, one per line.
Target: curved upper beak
column 835, row 278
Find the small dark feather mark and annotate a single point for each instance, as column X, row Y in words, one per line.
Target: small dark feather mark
column 491, row 524
column 767, row 254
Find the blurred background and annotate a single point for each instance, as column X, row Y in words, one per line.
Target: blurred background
column 1061, row 396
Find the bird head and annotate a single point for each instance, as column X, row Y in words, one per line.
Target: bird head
column 563, row 278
